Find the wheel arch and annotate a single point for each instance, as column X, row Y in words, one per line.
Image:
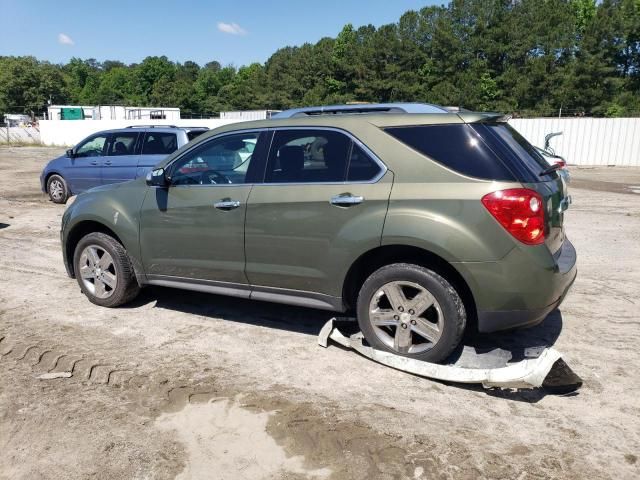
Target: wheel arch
column 51, row 174
column 78, row 231
column 383, row 255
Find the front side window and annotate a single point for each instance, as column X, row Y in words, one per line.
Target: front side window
column 92, row 147
column 223, row 160
column 123, row 144
column 159, row 143
column 308, row 156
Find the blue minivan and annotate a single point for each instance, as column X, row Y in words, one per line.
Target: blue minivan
column 112, row 156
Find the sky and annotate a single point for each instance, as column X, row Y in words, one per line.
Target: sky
column 231, row 32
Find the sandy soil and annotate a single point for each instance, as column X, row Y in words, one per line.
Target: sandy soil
column 190, row 385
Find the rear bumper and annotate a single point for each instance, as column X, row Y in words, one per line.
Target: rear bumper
column 505, row 320
column 522, row 290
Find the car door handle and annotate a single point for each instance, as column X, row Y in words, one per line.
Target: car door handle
column 95, row 162
column 227, row 204
column 107, row 163
column 346, row 200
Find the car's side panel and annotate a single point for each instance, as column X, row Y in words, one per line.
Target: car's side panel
column 296, row 239
column 447, row 219
column 83, row 173
column 118, row 211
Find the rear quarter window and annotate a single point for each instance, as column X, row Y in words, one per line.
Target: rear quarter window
column 457, row 147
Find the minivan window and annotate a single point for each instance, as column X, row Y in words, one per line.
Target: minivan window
column 455, row 146
column 223, row 160
column 123, row 144
column 308, row 156
column 191, row 134
column 159, row 143
column 93, row 147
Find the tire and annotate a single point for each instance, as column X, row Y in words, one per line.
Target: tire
column 57, row 189
column 103, row 271
column 388, row 297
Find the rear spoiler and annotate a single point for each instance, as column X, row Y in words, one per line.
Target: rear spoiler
column 484, row 117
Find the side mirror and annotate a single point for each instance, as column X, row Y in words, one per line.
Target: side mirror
column 70, row 153
column 157, row 178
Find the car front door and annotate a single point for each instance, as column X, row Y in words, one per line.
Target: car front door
column 83, row 171
column 121, row 162
column 193, row 230
column 322, row 203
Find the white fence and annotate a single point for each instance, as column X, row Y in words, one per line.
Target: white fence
column 19, row 135
column 585, row 141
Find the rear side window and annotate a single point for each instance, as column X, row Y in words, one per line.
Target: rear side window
column 159, row 143
column 361, row 166
column 308, row 156
column 457, row 147
column 123, row 144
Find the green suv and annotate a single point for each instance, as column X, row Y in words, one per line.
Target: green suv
column 422, row 222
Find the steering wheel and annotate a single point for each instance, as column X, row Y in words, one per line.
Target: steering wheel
column 213, row 177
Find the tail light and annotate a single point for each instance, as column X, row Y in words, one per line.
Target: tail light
column 562, row 163
column 520, row 211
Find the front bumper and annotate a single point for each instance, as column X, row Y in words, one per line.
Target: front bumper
column 523, row 289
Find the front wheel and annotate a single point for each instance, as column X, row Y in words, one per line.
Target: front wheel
column 411, row 311
column 57, row 189
column 104, row 271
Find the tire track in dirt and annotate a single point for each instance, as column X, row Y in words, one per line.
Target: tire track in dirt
column 87, row 369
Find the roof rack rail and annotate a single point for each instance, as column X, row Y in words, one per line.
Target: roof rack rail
column 151, row 126
column 362, row 108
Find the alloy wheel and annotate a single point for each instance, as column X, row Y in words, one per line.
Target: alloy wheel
column 406, row 317
column 56, row 189
column 97, row 270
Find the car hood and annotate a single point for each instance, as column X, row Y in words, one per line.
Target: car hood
column 56, row 161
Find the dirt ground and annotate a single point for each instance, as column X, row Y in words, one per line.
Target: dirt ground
column 189, row 385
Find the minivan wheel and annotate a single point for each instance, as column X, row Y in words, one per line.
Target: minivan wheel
column 411, row 311
column 104, row 271
column 57, row 189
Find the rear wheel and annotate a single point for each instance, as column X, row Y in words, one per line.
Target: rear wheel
column 411, row 311
column 104, row 271
column 57, row 189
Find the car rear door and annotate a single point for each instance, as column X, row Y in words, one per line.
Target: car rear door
column 322, row 204
column 121, row 162
column 193, row 230
column 156, row 145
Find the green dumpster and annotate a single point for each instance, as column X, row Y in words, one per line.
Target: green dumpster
column 71, row 113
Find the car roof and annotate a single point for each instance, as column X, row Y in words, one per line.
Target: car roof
column 361, row 108
column 348, row 121
column 151, row 128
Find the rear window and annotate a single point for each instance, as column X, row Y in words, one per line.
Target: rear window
column 514, row 149
column 457, row 147
column 159, row 143
column 191, row 134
